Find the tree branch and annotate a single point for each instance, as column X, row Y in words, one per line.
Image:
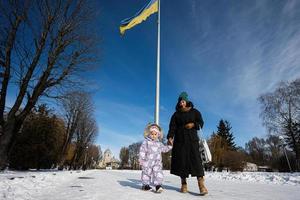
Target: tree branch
column 35, row 60
column 8, row 51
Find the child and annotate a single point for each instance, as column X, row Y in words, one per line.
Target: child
column 150, row 157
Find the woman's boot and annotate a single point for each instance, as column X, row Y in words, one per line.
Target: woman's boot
column 202, row 188
column 183, row 188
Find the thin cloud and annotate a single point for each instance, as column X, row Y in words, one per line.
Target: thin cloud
column 123, row 112
column 118, row 138
column 114, row 139
column 121, row 124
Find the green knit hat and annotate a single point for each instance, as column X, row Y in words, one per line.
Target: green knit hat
column 183, row 96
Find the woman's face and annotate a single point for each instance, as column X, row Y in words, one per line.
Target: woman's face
column 182, row 103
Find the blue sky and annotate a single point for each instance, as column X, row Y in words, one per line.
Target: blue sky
column 223, row 53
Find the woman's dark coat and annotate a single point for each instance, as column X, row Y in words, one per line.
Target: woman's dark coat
column 186, row 158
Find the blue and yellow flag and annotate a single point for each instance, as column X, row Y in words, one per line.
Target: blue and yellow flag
column 142, row 15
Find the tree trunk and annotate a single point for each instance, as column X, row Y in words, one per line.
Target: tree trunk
column 72, row 165
column 8, row 138
column 6, row 143
column 5, row 140
column 64, row 153
column 298, row 165
column 297, row 160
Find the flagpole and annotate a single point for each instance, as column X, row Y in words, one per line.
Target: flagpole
column 157, row 68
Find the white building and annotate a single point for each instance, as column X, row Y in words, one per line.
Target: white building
column 108, row 161
column 250, row 167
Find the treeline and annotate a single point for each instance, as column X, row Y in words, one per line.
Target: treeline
column 267, row 152
column 279, row 150
column 47, row 140
column 129, row 156
column 280, row 111
column 270, row 151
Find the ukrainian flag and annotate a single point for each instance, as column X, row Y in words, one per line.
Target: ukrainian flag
column 142, row 15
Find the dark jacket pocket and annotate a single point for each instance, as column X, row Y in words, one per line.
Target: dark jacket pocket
column 194, row 136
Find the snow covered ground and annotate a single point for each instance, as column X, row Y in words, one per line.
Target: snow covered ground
column 124, row 184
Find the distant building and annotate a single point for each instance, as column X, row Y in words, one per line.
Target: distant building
column 250, row 167
column 108, row 161
column 264, row 169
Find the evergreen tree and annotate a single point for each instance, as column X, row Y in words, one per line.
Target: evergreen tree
column 224, row 131
column 229, row 136
column 292, row 133
column 37, row 145
column 221, row 129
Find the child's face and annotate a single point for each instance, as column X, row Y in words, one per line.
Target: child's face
column 153, row 135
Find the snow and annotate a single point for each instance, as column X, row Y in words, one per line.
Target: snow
column 125, row 184
column 259, row 177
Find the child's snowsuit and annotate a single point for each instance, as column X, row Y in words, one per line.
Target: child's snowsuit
column 151, row 161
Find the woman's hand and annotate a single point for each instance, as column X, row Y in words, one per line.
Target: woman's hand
column 189, row 125
column 170, row 141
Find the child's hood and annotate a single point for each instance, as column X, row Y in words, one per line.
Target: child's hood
column 147, row 131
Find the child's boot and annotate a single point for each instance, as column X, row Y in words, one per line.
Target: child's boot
column 202, row 188
column 146, row 187
column 159, row 189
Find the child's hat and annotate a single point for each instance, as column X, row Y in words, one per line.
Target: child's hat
column 153, row 127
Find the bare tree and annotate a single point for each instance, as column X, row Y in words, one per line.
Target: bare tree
column 124, row 156
column 234, row 160
column 44, row 44
column 274, row 149
column 94, row 155
column 280, row 111
column 73, row 105
column 133, row 151
column 218, row 146
column 85, row 135
column 256, row 148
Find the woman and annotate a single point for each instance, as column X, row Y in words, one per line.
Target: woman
column 186, row 158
